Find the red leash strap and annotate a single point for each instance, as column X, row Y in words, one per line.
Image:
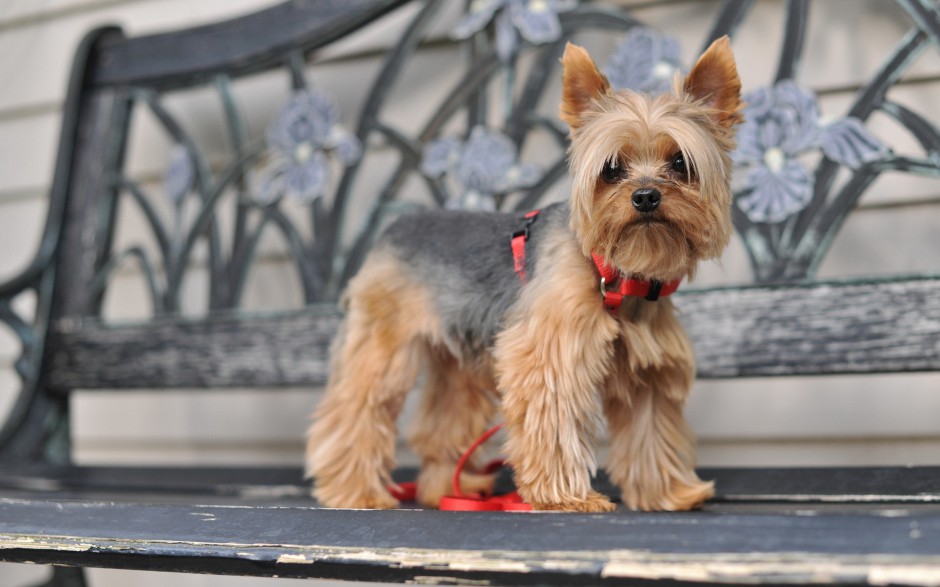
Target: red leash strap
column 481, row 503
column 460, row 502
column 519, row 239
column 462, row 462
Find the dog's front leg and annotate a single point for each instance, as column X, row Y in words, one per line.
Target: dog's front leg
column 549, row 363
column 652, row 449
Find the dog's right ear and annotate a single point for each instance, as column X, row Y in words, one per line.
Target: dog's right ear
column 714, row 81
column 581, row 83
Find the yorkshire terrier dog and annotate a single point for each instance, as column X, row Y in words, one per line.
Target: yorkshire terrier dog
column 550, row 318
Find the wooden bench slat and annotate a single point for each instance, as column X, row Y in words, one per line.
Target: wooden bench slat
column 516, row 548
column 818, row 329
column 815, row 329
column 797, row 485
column 273, row 351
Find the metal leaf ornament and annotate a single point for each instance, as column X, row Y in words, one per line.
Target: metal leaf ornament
column 299, row 139
column 484, row 165
column 781, row 124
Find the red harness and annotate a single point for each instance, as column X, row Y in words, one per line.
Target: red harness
column 611, row 277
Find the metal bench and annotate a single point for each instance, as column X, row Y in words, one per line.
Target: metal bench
column 765, row 525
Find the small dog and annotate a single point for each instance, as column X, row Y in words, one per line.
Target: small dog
column 529, row 333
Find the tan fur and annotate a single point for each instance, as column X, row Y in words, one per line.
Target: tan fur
column 351, row 444
column 550, row 362
column 561, row 362
column 652, row 453
column 459, row 403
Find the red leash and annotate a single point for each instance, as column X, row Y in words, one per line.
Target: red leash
column 460, row 502
column 469, row 502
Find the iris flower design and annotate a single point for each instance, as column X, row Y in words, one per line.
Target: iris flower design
column 781, row 123
column 645, row 61
column 299, row 139
column 484, row 165
column 535, row 20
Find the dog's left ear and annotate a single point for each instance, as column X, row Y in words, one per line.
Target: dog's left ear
column 714, row 81
column 581, row 84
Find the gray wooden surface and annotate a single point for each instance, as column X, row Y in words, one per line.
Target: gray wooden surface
column 803, row 329
column 753, row 544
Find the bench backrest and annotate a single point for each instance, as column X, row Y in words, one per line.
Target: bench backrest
column 216, row 213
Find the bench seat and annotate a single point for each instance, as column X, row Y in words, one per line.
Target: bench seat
column 814, row 526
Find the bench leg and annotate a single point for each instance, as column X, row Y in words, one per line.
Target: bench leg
column 66, row 577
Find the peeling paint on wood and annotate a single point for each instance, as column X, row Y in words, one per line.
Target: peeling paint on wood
column 826, row 548
column 796, row 568
column 713, row 568
column 847, row 498
column 433, row 580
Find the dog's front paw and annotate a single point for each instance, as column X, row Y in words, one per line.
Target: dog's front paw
column 437, row 480
column 681, row 496
column 594, row 503
column 356, row 500
column 689, row 496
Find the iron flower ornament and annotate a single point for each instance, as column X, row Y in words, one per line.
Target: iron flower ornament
column 536, row 21
column 180, row 175
column 644, row 61
column 782, row 123
column 299, row 139
column 484, row 165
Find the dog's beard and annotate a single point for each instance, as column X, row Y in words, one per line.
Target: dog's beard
column 651, row 247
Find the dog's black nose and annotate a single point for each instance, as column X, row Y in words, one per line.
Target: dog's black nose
column 646, row 199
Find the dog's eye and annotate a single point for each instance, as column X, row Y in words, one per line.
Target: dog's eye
column 678, row 164
column 612, row 172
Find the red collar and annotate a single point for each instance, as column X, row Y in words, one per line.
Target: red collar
column 650, row 290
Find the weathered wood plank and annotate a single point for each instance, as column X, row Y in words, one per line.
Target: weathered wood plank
column 804, row 485
column 816, row 328
column 231, row 351
column 237, row 46
column 505, row 548
column 822, row 328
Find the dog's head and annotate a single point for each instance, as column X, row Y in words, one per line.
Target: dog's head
column 652, row 175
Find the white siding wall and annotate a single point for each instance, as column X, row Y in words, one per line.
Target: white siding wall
column 846, row 420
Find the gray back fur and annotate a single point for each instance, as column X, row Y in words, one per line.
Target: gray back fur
column 466, row 260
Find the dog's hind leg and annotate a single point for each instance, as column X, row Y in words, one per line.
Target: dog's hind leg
column 351, row 444
column 457, row 406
